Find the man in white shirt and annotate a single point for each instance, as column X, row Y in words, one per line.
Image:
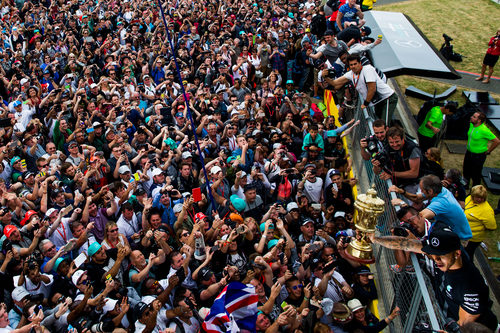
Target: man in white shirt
column 370, row 86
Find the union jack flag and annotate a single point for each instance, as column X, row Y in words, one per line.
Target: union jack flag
column 234, row 310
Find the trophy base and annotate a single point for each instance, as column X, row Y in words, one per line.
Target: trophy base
column 360, row 251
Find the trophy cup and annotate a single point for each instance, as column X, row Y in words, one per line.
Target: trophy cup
column 368, row 207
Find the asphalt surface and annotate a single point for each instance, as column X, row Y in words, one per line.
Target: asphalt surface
column 469, row 81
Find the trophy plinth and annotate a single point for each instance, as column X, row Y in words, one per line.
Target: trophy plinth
column 368, row 207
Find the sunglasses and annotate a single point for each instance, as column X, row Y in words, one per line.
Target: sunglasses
column 113, row 230
column 299, row 286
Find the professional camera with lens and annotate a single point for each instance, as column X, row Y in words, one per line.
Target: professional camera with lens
column 372, row 144
column 332, row 73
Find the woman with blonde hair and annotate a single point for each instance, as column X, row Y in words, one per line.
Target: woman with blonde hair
column 112, row 238
column 480, row 216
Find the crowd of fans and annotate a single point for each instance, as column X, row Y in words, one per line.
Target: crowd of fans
column 112, row 221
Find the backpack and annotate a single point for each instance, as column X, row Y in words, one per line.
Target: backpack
column 318, row 24
column 425, row 108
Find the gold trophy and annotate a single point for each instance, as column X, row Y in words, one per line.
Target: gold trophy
column 368, row 207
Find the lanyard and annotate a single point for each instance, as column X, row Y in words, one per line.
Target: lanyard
column 356, row 79
column 64, row 231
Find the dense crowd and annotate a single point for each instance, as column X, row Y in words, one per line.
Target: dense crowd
column 118, row 215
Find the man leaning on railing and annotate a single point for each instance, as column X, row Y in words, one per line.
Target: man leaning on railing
column 464, row 296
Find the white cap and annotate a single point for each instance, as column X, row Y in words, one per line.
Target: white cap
column 157, row 171
column 276, row 146
column 123, row 169
column 185, row 155
column 215, row 170
column 93, row 85
column 243, row 174
column 19, row 293
column 23, row 81
column 96, row 123
column 270, row 95
column 50, row 211
column 77, row 275
column 110, row 305
column 292, row 205
column 339, row 214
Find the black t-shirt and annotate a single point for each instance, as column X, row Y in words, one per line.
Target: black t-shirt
column 96, row 271
column 465, row 288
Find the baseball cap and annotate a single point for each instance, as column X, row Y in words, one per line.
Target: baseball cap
column 291, row 206
column 72, row 143
column 58, row 262
column 307, row 220
column 262, row 227
column 331, row 133
column 205, row 274
column 441, row 241
column 238, row 203
column 93, row 85
column 363, row 270
column 215, row 170
column 93, row 248
column 14, row 159
column 272, row 243
column 26, row 174
column 310, row 165
column 140, row 308
column 23, row 81
column 179, row 115
column 110, row 305
column 77, row 275
column 8, row 230
column 289, row 82
column 366, row 30
column 185, row 155
column 27, row 216
column 19, row 293
column 17, row 103
column 308, row 30
column 123, row 169
column 334, row 172
column 96, row 124
column 50, row 211
column 200, row 216
column 157, row 172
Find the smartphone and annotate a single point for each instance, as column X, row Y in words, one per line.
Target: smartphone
column 109, row 277
column 69, row 246
column 400, row 231
column 89, row 130
column 335, row 187
column 181, row 274
column 328, row 267
column 240, row 230
column 136, row 176
column 281, row 256
column 82, row 257
column 283, row 305
column 196, row 194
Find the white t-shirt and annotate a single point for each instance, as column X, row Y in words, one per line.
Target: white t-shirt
column 313, row 190
column 368, row 74
column 333, row 291
column 192, row 327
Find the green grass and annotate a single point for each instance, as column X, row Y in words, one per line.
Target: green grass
column 470, row 24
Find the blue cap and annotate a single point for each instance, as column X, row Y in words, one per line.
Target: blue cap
column 272, row 243
column 148, row 118
column 93, row 248
column 262, row 227
column 331, row 133
column 242, row 32
column 179, row 115
column 238, row 203
column 290, row 15
column 17, row 103
column 58, row 262
column 14, row 160
column 289, row 82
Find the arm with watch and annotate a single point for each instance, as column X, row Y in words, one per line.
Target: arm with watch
column 371, row 88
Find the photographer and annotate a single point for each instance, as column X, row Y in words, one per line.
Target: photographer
column 400, row 162
column 490, row 58
column 375, row 143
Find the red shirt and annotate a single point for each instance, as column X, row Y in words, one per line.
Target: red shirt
column 494, row 46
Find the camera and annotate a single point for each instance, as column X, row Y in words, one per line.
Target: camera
column 331, row 73
column 372, row 144
column 400, row 231
column 447, row 39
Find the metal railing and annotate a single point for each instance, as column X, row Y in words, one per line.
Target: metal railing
column 411, row 292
